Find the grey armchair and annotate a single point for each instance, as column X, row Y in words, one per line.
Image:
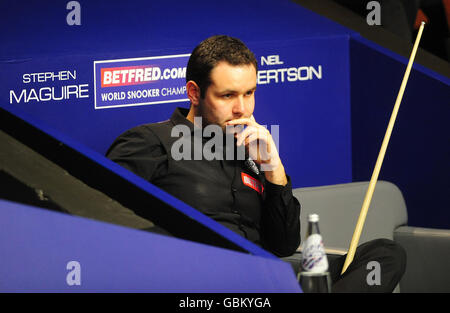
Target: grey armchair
column 428, row 250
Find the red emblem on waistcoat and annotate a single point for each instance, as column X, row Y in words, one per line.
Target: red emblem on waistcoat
column 252, row 182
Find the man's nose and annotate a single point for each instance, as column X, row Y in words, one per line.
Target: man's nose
column 239, row 106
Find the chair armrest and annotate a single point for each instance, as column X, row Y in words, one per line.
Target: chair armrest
column 428, row 258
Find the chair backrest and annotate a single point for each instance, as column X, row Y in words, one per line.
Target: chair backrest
column 339, row 206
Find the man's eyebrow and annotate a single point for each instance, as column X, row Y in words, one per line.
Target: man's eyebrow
column 234, row 91
column 227, row 91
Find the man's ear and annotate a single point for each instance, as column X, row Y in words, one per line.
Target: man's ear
column 193, row 92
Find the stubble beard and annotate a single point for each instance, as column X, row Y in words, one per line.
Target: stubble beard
column 206, row 120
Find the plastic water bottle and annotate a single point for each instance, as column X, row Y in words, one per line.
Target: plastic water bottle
column 314, row 275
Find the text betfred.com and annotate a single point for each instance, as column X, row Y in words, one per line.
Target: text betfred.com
column 140, row 81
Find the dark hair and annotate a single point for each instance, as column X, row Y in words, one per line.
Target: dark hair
column 212, row 51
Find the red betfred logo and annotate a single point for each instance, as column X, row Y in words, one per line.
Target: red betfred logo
column 129, row 75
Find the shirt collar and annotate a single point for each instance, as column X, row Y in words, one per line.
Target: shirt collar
column 179, row 117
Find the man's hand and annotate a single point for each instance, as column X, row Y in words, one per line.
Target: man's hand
column 261, row 148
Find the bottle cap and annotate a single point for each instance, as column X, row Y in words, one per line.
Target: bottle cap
column 313, row 217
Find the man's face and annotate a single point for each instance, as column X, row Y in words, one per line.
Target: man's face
column 230, row 96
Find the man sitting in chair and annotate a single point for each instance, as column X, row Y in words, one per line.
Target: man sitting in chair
column 239, row 180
